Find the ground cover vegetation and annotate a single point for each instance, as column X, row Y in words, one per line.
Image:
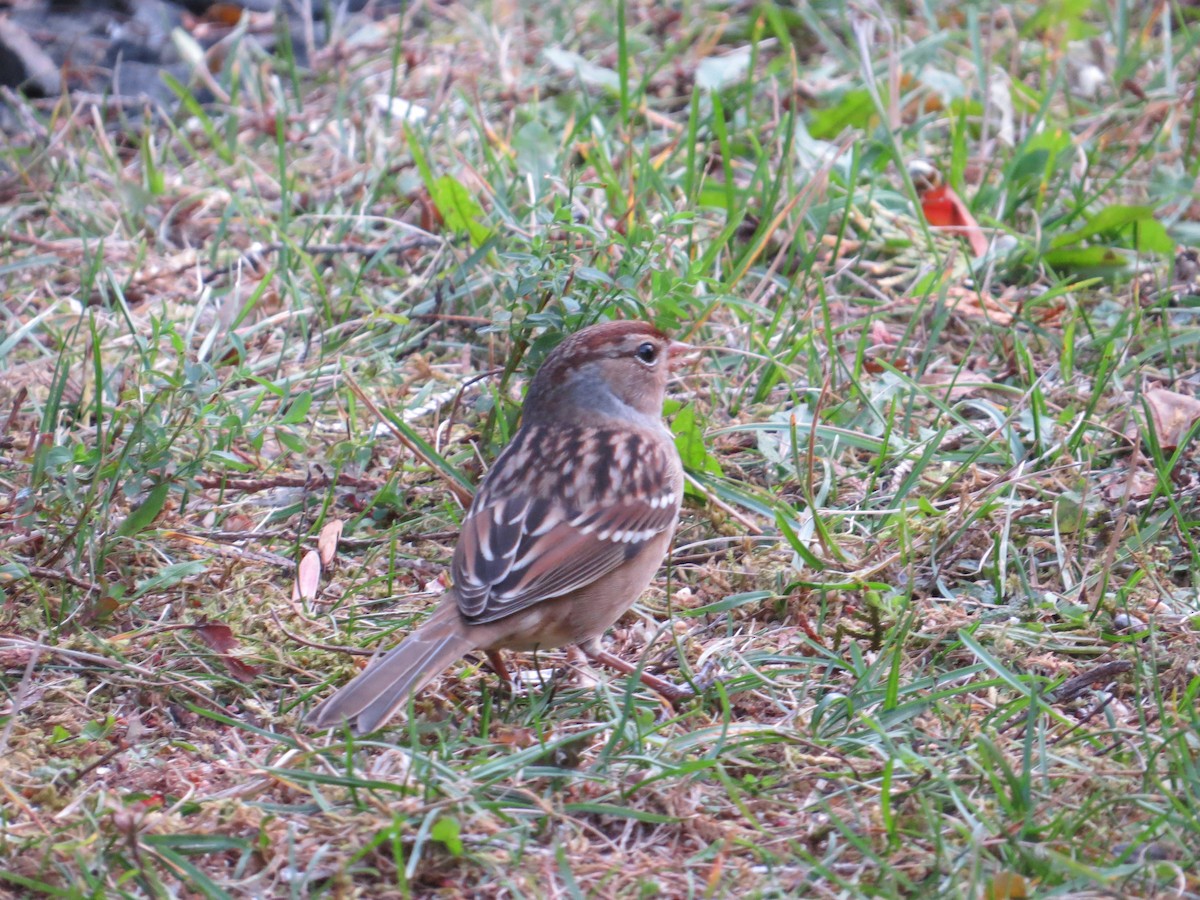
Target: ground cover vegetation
column 937, row 564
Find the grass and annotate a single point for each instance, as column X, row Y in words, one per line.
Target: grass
column 939, row 541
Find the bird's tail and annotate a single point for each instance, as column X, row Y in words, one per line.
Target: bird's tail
column 374, row 696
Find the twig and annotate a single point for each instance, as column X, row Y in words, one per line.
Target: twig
column 254, row 485
column 722, row 505
column 18, row 698
column 415, row 243
column 74, row 777
column 333, row 648
column 1074, row 687
column 1078, row 685
column 230, row 551
column 57, row 575
column 464, row 496
column 152, row 677
column 491, row 373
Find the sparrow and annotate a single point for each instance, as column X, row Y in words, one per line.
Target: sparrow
column 565, row 532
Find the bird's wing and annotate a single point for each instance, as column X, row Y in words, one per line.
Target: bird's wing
column 597, row 497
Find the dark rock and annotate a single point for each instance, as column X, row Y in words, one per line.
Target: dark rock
column 119, row 48
column 146, row 35
column 144, row 80
column 24, row 65
column 73, row 7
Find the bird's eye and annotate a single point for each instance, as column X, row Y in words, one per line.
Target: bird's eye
column 647, row 353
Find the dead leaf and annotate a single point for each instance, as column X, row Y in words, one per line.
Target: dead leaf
column 515, row 736
column 439, row 584
column 104, row 608
column 712, row 883
column 1140, row 485
column 308, row 577
column 881, row 335
column 1172, row 416
column 945, row 211
column 943, row 208
column 218, row 637
column 1007, row 886
column 430, row 218
column 328, row 540
column 227, row 14
column 221, row 640
column 970, row 302
column 243, row 672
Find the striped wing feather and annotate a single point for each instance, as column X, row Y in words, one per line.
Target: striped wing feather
column 595, row 500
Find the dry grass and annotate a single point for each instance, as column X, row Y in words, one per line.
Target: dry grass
column 940, row 541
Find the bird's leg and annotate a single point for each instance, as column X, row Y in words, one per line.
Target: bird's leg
column 672, row 692
column 498, row 666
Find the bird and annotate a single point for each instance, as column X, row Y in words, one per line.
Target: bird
column 564, row 533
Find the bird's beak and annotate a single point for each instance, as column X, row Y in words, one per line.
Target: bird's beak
column 681, row 355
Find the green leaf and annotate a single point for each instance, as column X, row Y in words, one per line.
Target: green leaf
column 193, row 844
column 1110, row 260
column 18, row 334
column 1029, row 165
column 1068, row 15
column 1151, row 236
column 1114, row 217
column 459, row 210
column 796, row 542
column 226, row 460
column 1042, row 154
column 689, row 441
column 170, row 576
column 448, row 833
column 298, row 409
column 97, row 731
column 928, row 508
column 733, row 601
column 435, row 458
column 290, row 441
column 855, row 109
column 1136, row 224
column 146, row 511
column 1069, row 514
column 1017, row 682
